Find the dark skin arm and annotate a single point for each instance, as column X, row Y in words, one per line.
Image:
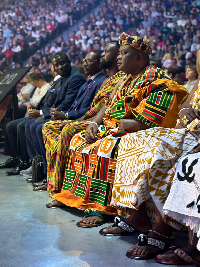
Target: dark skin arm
column 132, row 125
column 91, row 131
column 190, row 113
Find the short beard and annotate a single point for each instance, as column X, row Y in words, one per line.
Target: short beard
column 106, row 64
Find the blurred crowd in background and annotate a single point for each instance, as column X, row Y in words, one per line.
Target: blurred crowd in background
column 33, row 31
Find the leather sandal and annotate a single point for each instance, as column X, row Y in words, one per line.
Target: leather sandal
column 182, row 258
column 124, row 226
column 144, row 240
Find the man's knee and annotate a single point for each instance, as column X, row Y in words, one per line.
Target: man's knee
column 21, row 127
column 33, row 128
column 39, row 130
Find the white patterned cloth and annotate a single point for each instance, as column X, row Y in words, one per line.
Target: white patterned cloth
column 183, row 201
column 146, row 167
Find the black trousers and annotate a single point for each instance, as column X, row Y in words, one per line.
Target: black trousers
column 16, row 144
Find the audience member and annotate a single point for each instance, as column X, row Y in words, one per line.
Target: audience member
column 191, row 76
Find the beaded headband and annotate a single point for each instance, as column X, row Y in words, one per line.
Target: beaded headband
column 137, row 42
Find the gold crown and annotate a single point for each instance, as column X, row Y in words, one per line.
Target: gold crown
column 137, row 42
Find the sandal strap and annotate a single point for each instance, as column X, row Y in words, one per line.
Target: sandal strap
column 90, row 212
column 145, row 240
column 183, row 255
column 123, row 225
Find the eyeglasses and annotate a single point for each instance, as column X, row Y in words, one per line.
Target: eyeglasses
column 89, row 61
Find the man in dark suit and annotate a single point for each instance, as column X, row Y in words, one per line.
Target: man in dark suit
column 81, row 104
column 69, row 85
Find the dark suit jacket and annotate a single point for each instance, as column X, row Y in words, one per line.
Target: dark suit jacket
column 85, row 97
column 49, row 99
column 66, row 94
column 69, row 89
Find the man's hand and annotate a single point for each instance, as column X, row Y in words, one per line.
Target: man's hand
column 56, row 114
column 187, row 116
column 196, row 149
column 25, row 96
column 190, row 114
column 33, row 113
column 132, row 125
column 91, row 133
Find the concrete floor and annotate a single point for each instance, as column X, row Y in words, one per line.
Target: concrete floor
column 32, row 235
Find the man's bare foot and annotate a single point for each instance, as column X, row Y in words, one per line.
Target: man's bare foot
column 54, row 204
column 142, row 227
column 40, row 188
column 91, row 220
column 149, row 250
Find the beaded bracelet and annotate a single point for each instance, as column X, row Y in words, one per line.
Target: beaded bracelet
column 94, row 123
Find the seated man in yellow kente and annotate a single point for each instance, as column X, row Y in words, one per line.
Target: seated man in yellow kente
column 145, row 98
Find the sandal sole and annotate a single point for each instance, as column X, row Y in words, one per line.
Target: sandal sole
column 121, row 234
column 79, row 224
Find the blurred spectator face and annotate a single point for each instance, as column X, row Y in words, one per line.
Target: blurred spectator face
column 174, row 63
column 18, row 65
column 60, row 39
column 8, row 47
column 190, row 74
column 72, row 48
column 198, row 40
column 198, row 32
column 14, row 43
column 179, row 79
column 38, row 71
column 55, row 44
column 171, row 55
column 47, row 49
column 189, row 61
column 61, row 65
column 179, row 46
column 44, row 59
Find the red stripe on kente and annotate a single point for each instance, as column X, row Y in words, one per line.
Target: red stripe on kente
column 149, row 89
column 153, row 114
column 101, row 170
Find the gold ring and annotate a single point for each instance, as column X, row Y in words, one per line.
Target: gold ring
column 184, row 120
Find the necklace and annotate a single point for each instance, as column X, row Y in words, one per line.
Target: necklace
column 126, row 88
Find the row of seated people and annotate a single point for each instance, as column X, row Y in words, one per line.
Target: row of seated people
column 116, row 146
